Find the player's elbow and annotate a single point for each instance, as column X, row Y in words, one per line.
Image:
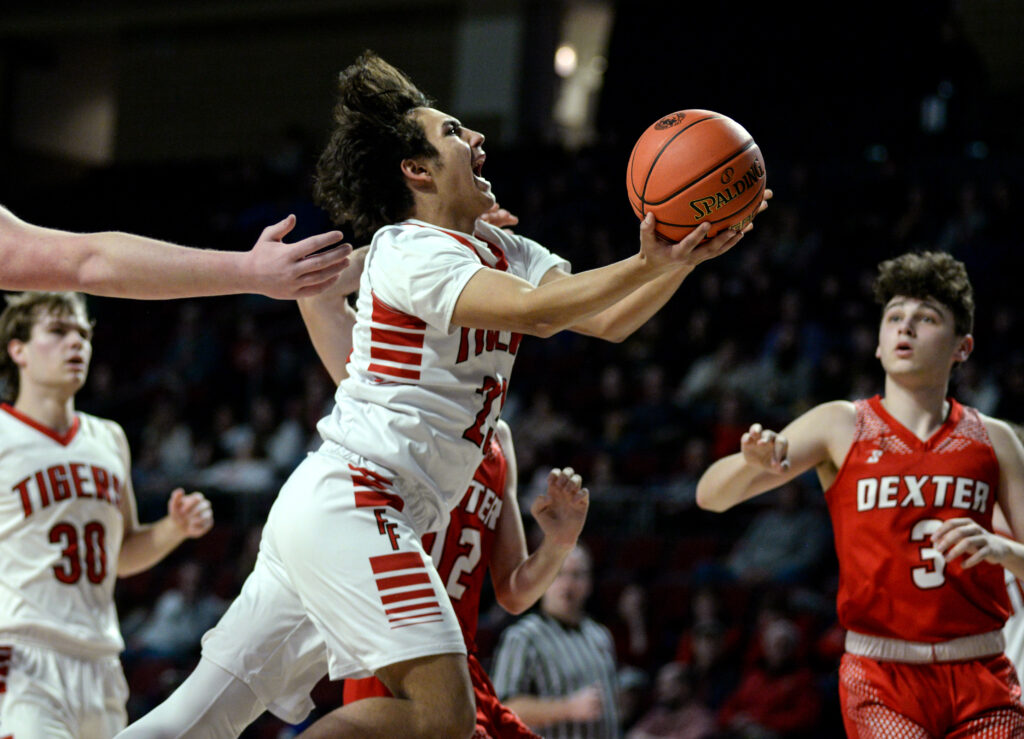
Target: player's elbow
column 707, row 500
column 512, row 602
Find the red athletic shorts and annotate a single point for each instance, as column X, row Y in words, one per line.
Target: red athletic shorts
column 493, row 720
column 976, row 699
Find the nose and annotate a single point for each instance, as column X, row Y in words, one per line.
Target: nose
column 476, row 139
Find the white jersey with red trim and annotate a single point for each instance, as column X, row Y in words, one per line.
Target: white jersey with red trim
column 60, row 532
column 422, row 395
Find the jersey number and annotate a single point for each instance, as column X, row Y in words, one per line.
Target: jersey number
column 464, row 563
column 491, row 390
column 93, row 559
column 928, row 577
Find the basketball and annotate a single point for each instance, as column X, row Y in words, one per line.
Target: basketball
column 693, row 167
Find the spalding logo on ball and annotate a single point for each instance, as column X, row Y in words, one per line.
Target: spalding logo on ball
column 692, row 167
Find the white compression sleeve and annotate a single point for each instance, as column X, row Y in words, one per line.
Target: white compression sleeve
column 211, row 704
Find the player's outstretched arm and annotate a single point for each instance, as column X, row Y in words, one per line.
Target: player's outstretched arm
column 767, row 459
column 330, row 319
column 591, row 302
column 520, row 579
column 128, row 266
column 188, row 517
column 619, row 321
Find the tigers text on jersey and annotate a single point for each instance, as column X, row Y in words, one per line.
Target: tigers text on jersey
column 60, row 532
column 462, row 552
column 892, row 491
column 422, row 396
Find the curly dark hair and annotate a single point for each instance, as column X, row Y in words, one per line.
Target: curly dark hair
column 16, row 321
column 358, row 179
column 929, row 274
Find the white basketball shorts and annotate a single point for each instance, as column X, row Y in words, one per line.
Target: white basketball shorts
column 341, row 585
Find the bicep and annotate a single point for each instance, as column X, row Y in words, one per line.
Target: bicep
column 494, row 301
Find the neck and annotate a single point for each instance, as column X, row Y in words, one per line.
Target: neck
column 568, row 619
column 433, row 213
column 54, row 410
column 921, row 409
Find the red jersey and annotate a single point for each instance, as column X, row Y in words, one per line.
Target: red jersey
column 892, row 491
column 461, row 553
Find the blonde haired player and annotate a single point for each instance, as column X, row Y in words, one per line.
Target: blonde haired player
column 911, row 479
column 68, row 528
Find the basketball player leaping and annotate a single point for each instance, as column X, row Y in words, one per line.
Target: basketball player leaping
column 443, row 304
column 910, row 479
column 68, row 528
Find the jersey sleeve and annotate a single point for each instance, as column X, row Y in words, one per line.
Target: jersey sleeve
column 527, row 258
column 422, row 273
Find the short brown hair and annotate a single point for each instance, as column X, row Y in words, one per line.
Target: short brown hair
column 358, row 179
column 16, row 321
column 929, row 274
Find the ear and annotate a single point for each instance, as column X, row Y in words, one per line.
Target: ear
column 416, row 173
column 16, row 350
column 964, row 348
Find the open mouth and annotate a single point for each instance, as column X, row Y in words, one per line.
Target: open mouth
column 478, row 168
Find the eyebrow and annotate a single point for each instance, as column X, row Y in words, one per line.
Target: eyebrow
column 899, row 303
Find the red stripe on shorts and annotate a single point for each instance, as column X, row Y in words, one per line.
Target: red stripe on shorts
column 396, row 561
column 409, row 595
column 418, row 578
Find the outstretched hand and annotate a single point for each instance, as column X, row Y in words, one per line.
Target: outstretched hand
column 191, row 513
column 288, row 271
column 764, row 448
column 966, row 537
column 695, row 247
column 562, row 510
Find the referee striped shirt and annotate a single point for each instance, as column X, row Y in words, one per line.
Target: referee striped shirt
column 542, row 657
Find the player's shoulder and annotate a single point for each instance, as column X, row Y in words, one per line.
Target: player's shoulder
column 1006, row 438
column 834, row 415
column 102, row 427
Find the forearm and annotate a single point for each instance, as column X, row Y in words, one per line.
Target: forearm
column 539, row 712
column 495, row 301
column 730, row 481
column 527, row 582
column 619, row 321
column 125, row 265
column 147, row 545
column 1014, row 562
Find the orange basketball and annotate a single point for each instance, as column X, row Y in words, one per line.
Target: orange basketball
column 692, row 167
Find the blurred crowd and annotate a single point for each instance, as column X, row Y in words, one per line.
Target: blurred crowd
column 719, row 618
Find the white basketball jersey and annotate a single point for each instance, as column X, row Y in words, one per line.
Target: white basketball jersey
column 61, row 532
column 422, row 396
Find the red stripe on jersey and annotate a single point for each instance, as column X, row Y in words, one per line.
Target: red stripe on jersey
column 384, row 313
column 417, row 616
column 409, row 595
column 417, row 623
column 414, row 607
column 395, row 355
column 401, row 581
column 396, row 561
column 382, row 369
column 398, row 338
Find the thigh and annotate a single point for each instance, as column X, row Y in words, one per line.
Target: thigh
column 493, row 718
column 33, row 702
column 348, row 549
column 103, row 694
column 878, row 703
column 988, row 699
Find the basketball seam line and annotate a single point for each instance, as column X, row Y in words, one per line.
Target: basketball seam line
column 710, row 169
column 643, row 193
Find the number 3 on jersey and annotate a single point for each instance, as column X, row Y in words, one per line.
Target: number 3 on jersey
column 491, row 390
column 927, row 577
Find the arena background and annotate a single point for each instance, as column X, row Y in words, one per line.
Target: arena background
column 885, row 127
